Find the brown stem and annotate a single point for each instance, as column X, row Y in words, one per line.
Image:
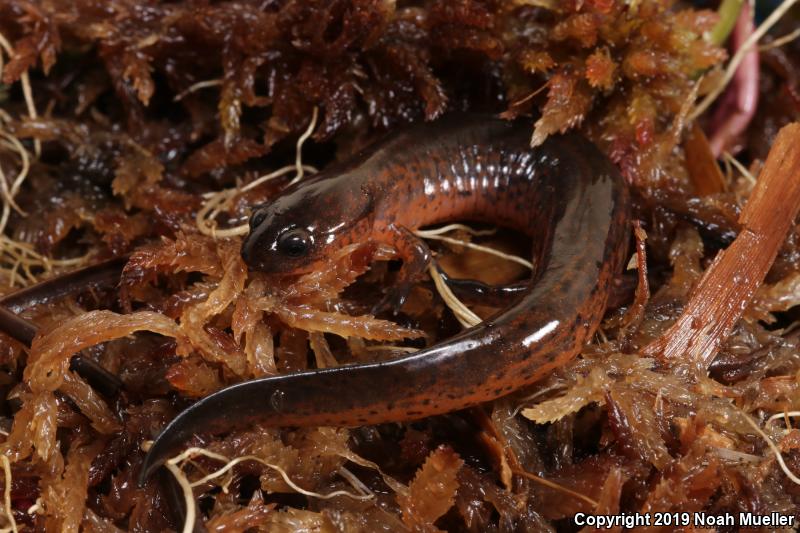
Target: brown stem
column 728, row 285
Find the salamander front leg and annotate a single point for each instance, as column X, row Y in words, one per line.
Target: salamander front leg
column 416, row 256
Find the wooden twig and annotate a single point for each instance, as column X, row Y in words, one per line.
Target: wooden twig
column 728, row 285
column 635, row 313
column 703, row 169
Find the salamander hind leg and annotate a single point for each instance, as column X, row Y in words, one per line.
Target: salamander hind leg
column 474, row 292
column 416, row 256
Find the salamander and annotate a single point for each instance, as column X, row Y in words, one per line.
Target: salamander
column 565, row 194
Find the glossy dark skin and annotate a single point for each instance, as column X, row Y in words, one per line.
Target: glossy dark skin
column 565, row 194
column 103, row 275
column 100, row 275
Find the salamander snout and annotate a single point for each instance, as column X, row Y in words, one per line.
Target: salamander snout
column 248, row 252
column 252, row 243
column 301, row 229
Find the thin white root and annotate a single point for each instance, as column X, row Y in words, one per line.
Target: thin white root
column 783, row 416
column 14, row 144
column 7, row 194
column 556, row 486
column 740, row 167
column 455, row 227
column 188, row 496
column 36, row 508
column 230, row 463
column 18, row 260
column 217, row 202
column 27, row 92
column 463, row 314
column 354, row 481
column 485, row 249
column 738, row 57
column 196, row 87
column 174, row 466
column 780, row 41
column 778, row 456
column 298, row 161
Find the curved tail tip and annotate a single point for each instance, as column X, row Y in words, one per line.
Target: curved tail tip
column 227, row 409
column 156, row 457
column 204, row 416
column 169, row 442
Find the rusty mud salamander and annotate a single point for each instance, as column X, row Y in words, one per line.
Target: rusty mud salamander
column 565, row 194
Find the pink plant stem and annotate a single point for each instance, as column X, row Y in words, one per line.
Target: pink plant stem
column 738, row 104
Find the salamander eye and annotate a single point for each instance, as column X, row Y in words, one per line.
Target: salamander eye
column 294, row 243
column 257, row 218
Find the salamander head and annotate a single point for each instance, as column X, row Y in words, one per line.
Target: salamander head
column 298, row 231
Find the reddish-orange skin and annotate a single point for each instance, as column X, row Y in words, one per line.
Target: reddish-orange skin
column 565, row 194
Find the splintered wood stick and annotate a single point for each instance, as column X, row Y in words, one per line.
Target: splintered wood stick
column 727, row 286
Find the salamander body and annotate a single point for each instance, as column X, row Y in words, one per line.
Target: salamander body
column 565, row 194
